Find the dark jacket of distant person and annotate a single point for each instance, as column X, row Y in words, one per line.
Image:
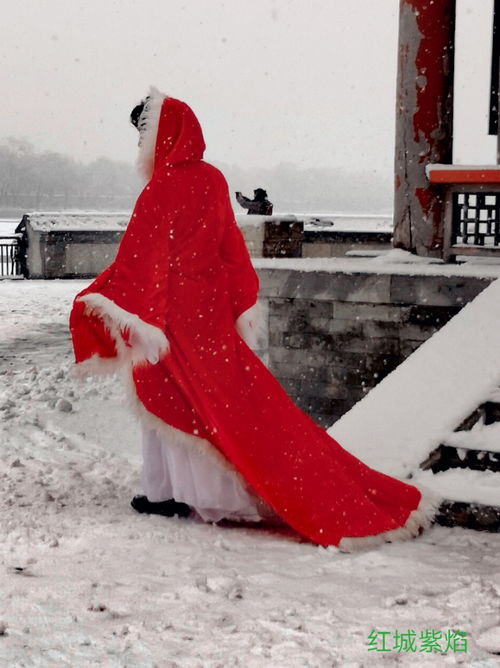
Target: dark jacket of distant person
column 259, row 205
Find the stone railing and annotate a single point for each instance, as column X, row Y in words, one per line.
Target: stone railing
column 71, row 245
column 310, row 236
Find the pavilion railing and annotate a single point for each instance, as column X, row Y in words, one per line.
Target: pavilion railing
column 476, row 219
column 472, row 208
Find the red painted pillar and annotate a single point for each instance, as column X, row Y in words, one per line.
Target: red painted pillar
column 424, row 121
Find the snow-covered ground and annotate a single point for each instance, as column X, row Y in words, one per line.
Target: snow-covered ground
column 85, row 581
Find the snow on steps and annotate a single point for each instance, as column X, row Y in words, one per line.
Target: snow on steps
column 462, row 457
column 482, row 437
column 475, row 487
column 472, row 499
column 474, row 445
column 410, row 419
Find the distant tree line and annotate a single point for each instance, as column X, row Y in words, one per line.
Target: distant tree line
column 31, row 180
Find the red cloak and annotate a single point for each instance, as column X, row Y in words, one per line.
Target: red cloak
column 180, row 280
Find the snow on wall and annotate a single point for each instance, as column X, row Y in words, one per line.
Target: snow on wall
column 336, row 222
column 81, row 221
column 44, row 221
column 390, row 263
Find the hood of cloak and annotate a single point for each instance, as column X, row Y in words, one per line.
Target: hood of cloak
column 170, row 134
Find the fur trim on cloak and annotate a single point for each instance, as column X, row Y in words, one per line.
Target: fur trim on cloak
column 147, row 343
column 418, row 520
column 148, row 128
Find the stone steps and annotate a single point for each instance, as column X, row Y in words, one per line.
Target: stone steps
column 471, row 455
column 478, row 516
column 451, row 457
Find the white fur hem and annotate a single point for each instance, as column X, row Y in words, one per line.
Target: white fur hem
column 147, row 342
column 251, row 326
column 148, row 128
column 418, row 520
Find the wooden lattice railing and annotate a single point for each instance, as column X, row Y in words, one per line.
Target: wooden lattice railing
column 472, row 209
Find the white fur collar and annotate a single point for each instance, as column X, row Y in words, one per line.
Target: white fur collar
column 148, row 128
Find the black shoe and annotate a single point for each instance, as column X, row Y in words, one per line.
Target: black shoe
column 167, row 508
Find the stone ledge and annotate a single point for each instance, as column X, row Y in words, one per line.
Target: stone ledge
column 324, row 286
column 436, row 290
column 380, row 289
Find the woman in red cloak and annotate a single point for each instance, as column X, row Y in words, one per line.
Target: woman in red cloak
column 174, row 314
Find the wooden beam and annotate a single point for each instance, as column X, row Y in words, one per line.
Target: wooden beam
column 463, row 174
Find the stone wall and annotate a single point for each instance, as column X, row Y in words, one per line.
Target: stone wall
column 337, row 244
column 334, row 335
column 72, row 254
column 71, row 245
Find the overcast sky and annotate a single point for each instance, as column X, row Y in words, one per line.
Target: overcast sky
column 310, row 82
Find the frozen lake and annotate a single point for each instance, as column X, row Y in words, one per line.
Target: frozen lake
column 8, row 225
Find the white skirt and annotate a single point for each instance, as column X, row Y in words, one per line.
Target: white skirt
column 171, row 471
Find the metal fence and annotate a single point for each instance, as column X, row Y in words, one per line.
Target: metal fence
column 9, row 257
